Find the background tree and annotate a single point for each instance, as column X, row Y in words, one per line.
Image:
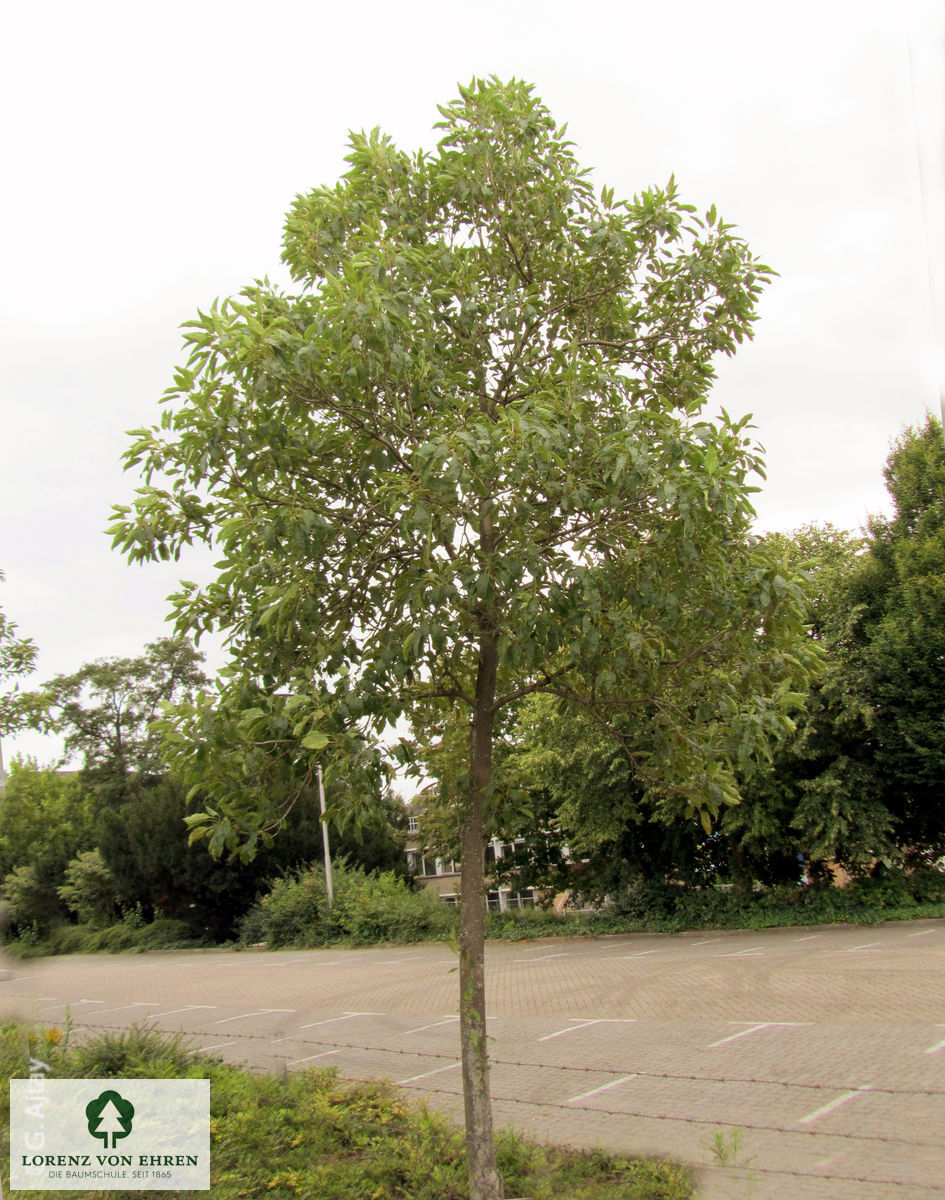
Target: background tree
column 134, row 808
column 899, row 591
column 466, row 462
column 17, row 658
column 820, row 796
column 861, row 780
column 90, row 890
column 106, row 709
column 586, row 819
column 46, row 818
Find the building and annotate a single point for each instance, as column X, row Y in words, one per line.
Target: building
column 441, row 873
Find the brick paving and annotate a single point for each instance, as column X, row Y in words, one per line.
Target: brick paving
column 821, row 1051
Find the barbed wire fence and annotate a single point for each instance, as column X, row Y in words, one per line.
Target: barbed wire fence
column 417, row 1084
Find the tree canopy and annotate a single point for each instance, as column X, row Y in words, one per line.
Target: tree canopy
column 901, row 594
column 466, row 461
column 860, row 782
column 17, row 658
column 107, row 708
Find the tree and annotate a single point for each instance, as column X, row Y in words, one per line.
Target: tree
column 861, row 780
column 820, row 795
column 106, row 711
column 899, row 594
column 46, row 818
column 107, row 708
column 243, row 747
column 17, row 658
column 135, row 806
column 90, row 890
column 466, row 462
column 587, row 823
column 30, row 903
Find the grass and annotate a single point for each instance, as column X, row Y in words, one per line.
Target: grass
column 312, row 1134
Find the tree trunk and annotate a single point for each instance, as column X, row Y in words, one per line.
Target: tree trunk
column 742, row 872
column 485, row 1183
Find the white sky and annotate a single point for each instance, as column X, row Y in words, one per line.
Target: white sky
column 151, row 152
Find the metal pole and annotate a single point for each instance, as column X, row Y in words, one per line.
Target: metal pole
column 321, row 800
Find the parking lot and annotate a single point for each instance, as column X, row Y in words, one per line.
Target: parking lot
column 812, row 1060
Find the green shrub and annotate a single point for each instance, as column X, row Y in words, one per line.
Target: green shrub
column 163, row 934
column 384, row 908
column 928, row 885
column 293, row 913
column 90, row 890
column 31, row 903
column 367, row 909
column 518, row 923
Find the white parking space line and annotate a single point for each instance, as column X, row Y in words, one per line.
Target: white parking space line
column 18, row 978
column 938, row 1045
column 68, row 1004
column 541, row 958
column 643, row 954
column 743, row 1033
column 584, row 1022
column 603, row 1088
column 852, row 949
column 427, row 1074
column 311, row 1058
column 218, row 1046
column 752, row 950
column 834, row 1104
column 261, row 1012
column 187, row 1008
column 570, row 1029
column 421, row 1028
column 810, row 937
column 707, row 942
column 346, row 1017
column 335, row 962
column 121, row 1007
column 241, row 966
column 922, row 933
column 753, row 1029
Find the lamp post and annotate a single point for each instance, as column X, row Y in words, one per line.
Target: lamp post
column 321, row 800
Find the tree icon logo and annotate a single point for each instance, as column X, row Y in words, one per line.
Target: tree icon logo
column 110, row 1116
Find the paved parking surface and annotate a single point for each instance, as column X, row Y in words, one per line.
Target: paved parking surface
column 820, row 1052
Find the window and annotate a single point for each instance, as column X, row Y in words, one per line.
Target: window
column 413, row 825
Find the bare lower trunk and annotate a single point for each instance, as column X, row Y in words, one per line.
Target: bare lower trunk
column 484, row 1180
column 485, row 1183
